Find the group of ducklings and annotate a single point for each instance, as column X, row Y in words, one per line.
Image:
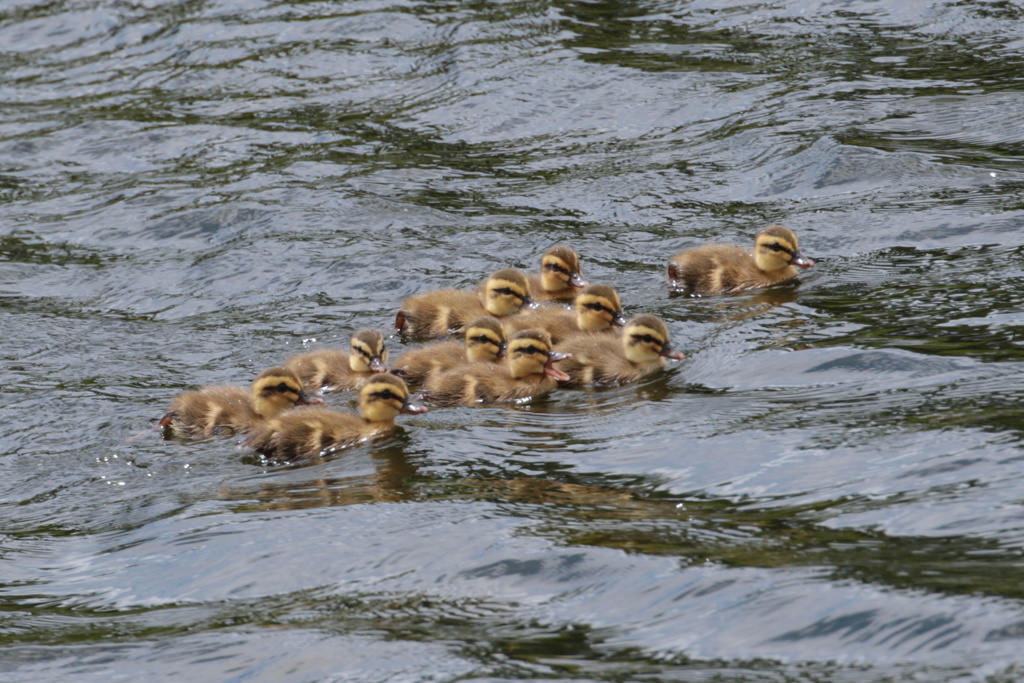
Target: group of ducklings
column 508, row 351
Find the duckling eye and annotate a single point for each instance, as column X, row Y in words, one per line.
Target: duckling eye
column 282, row 387
column 775, row 246
column 483, row 339
column 594, row 306
column 507, row 291
column 646, row 338
column 557, row 268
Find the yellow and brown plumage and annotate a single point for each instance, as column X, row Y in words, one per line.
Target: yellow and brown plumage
column 335, row 370
column 560, row 277
column 315, row 431
column 528, row 372
column 638, row 351
column 233, row 410
column 484, row 342
column 596, row 309
column 721, row 268
column 447, row 311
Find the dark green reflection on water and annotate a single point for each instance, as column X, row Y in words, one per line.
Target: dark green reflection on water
column 912, row 299
column 652, row 37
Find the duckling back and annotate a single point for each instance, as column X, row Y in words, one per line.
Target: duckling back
column 448, row 311
column 605, row 360
column 336, row 370
column 232, row 410
column 527, row 373
column 721, row 268
column 596, row 309
column 484, row 341
column 211, row 410
column 312, row 432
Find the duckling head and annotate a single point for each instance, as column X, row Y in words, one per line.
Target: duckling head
column 560, row 268
column 598, row 308
column 278, row 388
column 384, row 397
column 776, row 247
column 530, row 353
column 646, row 340
column 506, row 292
column 367, row 352
column 485, row 339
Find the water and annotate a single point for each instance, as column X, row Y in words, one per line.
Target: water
column 828, row 488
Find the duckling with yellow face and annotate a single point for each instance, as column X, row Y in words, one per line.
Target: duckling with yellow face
column 721, row 268
column 528, row 372
column 608, row 360
column 335, row 370
column 233, row 410
column 596, row 309
column 447, row 311
column 484, row 342
column 560, row 277
column 316, row 431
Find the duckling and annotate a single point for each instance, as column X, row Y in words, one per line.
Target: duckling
column 560, row 277
column 445, row 311
column 312, row 431
column 335, row 370
column 640, row 350
column 720, row 268
column 528, row 372
column 596, row 309
column 233, row 410
column 485, row 342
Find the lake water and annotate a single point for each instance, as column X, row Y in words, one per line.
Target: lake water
column 829, row 488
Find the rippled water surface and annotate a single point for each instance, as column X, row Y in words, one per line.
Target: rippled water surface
column 830, row 487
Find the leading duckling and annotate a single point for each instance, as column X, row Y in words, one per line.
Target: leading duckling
column 560, row 278
column 335, row 370
column 484, row 343
column 528, row 372
column 605, row 360
column 720, row 268
column 316, row 431
column 596, row 309
column 233, row 410
column 447, row 311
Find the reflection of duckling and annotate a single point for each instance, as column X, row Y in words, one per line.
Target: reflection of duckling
column 444, row 311
column 233, row 410
column 596, row 308
column 560, row 276
column 485, row 342
column 335, row 370
column 528, row 372
column 720, row 268
column 603, row 359
column 311, row 432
